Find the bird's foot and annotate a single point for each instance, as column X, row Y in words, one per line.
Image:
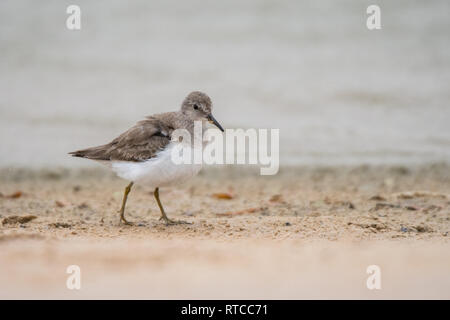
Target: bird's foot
column 125, row 222
column 170, row 222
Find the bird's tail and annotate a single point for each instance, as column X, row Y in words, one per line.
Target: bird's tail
column 79, row 153
column 94, row 153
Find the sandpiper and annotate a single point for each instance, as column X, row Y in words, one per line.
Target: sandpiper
column 142, row 154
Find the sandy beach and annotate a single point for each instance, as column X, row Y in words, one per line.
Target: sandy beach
column 305, row 233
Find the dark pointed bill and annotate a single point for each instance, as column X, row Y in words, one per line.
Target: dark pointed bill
column 214, row 122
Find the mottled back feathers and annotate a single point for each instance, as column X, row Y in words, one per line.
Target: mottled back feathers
column 139, row 143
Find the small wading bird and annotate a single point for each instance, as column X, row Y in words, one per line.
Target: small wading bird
column 142, row 154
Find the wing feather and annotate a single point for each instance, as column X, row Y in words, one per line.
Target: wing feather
column 139, row 143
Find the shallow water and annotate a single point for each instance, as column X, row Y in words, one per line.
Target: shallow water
column 339, row 93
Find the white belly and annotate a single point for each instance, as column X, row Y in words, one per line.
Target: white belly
column 159, row 171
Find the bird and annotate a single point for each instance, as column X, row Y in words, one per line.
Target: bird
column 142, row 154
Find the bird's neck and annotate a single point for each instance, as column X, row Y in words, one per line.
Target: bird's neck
column 183, row 122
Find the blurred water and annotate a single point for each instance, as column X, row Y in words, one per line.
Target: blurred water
column 339, row 93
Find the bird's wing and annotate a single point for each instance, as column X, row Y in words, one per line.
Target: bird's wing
column 139, row 143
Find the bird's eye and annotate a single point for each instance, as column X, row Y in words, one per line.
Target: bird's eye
column 195, row 107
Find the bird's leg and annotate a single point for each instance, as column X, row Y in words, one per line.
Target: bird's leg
column 124, row 201
column 163, row 214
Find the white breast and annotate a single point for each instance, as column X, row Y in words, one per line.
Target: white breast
column 159, row 171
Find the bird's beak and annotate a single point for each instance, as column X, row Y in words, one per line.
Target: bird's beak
column 214, row 122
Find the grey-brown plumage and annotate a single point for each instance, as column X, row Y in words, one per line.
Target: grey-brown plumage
column 145, row 140
column 147, row 137
column 139, row 143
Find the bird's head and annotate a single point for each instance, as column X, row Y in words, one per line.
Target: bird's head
column 197, row 106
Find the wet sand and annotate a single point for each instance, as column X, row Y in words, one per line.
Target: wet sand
column 305, row 233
